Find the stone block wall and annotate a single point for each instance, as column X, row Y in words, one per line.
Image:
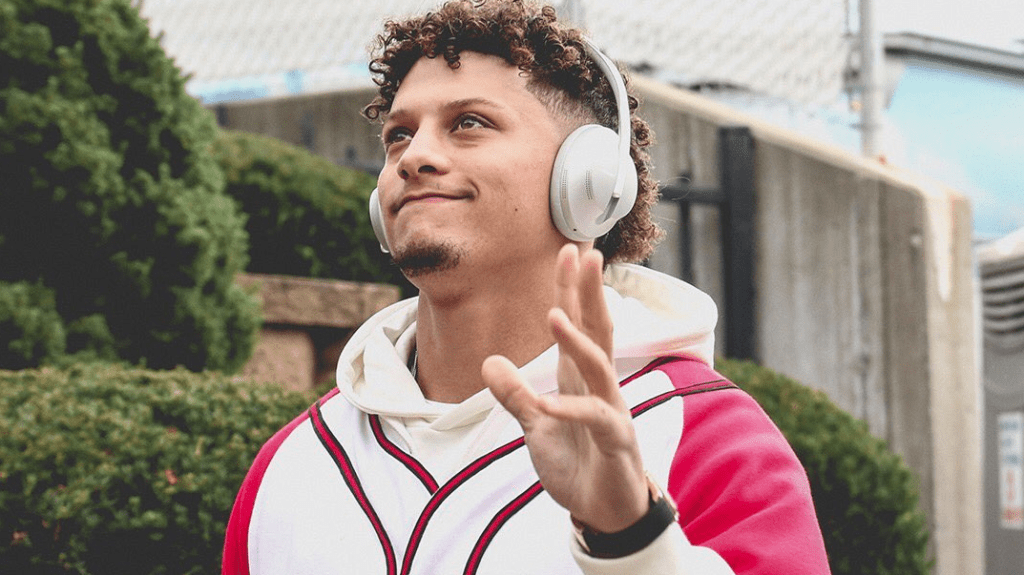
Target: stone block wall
column 306, row 324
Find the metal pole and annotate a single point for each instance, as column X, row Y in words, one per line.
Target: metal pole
column 685, row 243
column 736, row 153
column 872, row 71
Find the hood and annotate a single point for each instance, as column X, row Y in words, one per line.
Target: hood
column 654, row 314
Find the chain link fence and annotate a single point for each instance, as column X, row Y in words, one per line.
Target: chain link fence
column 792, row 49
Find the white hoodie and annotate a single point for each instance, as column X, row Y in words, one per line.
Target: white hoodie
column 377, row 479
column 654, row 316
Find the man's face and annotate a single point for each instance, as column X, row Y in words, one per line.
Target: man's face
column 469, row 158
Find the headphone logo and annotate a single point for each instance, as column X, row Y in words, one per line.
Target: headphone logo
column 594, row 180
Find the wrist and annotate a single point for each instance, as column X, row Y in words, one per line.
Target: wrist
column 661, row 512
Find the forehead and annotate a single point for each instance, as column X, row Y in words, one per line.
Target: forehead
column 432, row 83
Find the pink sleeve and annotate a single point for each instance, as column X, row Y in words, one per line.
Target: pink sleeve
column 740, row 489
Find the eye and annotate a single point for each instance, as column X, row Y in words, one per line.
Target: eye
column 394, row 135
column 469, row 122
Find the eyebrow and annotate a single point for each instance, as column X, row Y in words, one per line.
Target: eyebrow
column 451, row 105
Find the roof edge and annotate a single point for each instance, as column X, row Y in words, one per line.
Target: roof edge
column 954, row 52
column 721, row 114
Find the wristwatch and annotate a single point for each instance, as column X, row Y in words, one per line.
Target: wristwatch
column 661, row 513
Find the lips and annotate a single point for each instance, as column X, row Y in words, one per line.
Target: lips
column 428, row 195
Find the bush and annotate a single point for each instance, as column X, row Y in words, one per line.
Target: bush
column 307, row 216
column 107, row 469
column 865, row 496
column 97, row 459
column 110, row 198
column 31, row 331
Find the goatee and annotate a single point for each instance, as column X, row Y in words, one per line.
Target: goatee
column 420, row 258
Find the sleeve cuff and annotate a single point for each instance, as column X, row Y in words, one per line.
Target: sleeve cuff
column 669, row 554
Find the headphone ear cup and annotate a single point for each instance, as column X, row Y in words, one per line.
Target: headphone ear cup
column 583, row 182
column 377, row 221
column 627, row 198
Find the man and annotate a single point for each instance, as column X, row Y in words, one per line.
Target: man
column 520, row 416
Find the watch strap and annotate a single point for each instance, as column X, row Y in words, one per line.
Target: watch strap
column 660, row 514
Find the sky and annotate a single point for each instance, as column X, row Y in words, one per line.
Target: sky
column 993, row 23
column 974, row 147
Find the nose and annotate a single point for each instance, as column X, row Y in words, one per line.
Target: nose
column 424, row 154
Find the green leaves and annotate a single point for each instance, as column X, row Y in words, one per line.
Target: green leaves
column 99, row 457
column 31, row 331
column 865, row 496
column 306, row 216
column 110, row 197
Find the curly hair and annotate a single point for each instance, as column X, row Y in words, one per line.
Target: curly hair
column 561, row 75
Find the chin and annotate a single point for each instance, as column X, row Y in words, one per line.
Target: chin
column 421, row 258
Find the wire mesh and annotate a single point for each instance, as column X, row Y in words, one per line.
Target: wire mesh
column 793, row 49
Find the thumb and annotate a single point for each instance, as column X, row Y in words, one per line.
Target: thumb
column 510, row 389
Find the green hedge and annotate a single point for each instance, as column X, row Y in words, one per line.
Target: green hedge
column 306, row 215
column 106, row 469
column 865, row 496
column 96, row 460
column 111, row 201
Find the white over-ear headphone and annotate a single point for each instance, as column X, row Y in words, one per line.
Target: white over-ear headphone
column 594, row 180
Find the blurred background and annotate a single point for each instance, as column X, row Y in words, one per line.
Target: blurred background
column 951, row 79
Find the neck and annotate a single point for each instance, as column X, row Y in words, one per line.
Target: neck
column 455, row 333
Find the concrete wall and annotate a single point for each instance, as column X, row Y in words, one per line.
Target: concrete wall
column 863, row 274
column 865, row 290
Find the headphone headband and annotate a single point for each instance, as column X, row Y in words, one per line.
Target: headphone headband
column 594, row 181
column 625, row 128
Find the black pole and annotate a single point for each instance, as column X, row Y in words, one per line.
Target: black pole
column 685, row 243
column 736, row 154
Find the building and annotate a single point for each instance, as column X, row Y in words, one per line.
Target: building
column 1002, row 295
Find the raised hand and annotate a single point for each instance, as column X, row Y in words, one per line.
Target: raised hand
column 582, row 442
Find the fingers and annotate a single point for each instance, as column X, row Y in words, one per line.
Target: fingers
column 591, row 361
column 504, row 381
column 567, row 281
column 509, row 388
column 582, row 325
column 595, row 318
column 579, row 292
column 603, row 419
